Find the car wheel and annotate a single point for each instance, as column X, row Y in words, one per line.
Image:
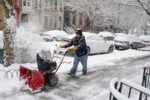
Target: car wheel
column 111, row 49
column 117, row 47
column 88, row 48
column 131, row 46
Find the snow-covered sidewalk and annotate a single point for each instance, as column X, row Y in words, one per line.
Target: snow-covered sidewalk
column 11, row 86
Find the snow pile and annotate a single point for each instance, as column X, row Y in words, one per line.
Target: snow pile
column 1, row 39
column 27, row 43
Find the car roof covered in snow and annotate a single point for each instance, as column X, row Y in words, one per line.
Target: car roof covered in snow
column 130, row 38
column 55, row 32
column 106, row 34
column 145, row 37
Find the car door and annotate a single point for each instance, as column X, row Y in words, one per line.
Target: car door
column 102, row 44
column 92, row 43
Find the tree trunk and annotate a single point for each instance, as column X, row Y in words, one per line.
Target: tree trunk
column 9, row 55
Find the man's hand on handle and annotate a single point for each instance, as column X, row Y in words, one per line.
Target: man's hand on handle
column 73, row 49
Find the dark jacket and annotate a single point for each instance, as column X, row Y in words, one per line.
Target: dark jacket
column 81, row 44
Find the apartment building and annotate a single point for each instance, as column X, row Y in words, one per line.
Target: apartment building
column 46, row 14
column 73, row 18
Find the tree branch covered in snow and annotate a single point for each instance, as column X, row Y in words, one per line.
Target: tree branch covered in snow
column 120, row 15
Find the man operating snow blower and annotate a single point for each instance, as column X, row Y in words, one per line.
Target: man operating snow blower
column 80, row 50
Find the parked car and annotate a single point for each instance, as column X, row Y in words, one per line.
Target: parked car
column 95, row 43
column 145, row 39
column 1, row 47
column 128, row 41
column 53, row 35
column 120, row 34
column 107, row 35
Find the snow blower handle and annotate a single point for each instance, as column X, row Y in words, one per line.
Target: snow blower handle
column 62, row 60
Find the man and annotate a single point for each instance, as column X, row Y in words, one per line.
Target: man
column 80, row 50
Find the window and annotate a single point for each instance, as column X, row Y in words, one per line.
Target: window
column 61, row 7
column 55, row 22
column 46, row 22
column 55, row 25
column 28, row 2
column 60, row 19
column 55, row 5
column 24, row 18
column 74, row 20
column 80, row 21
column 24, row 2
column 36, row 4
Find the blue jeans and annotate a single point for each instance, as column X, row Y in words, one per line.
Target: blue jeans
column 83, row 60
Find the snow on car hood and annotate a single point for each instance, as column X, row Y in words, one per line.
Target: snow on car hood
column 1, row 39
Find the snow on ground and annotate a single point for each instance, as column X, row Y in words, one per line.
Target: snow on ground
column 10, row 87
column 147, row 48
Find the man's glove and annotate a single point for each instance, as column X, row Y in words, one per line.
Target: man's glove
column 74, row 49
column 62, row 46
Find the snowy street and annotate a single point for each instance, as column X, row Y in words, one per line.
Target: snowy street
column 95, row 86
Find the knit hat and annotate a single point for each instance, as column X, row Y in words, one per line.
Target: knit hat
column 79, row 31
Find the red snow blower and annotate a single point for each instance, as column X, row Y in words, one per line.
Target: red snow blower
column 45, row 75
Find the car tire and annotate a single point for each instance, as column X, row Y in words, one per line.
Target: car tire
column 111, row 49
column 117, row 47
column 131, row 46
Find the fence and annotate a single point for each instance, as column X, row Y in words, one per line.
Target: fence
column 145, row 82
column 117, row 86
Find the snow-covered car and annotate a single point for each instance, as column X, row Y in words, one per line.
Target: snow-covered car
column 128, row 41
column 107, row 35
column 95, row 43
column 145, row 39
column 120, row 34
column 1, row 47
column 53, row 35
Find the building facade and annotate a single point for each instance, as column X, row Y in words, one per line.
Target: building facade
column 74, row 18
column 46, row 14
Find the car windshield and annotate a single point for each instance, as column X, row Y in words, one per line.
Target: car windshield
column 109, row 38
